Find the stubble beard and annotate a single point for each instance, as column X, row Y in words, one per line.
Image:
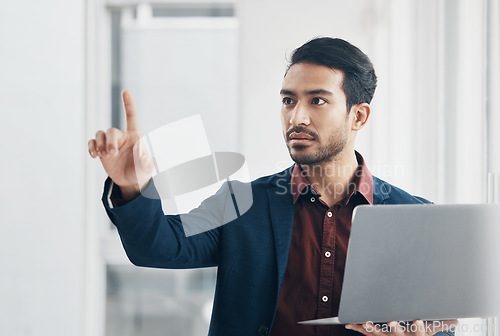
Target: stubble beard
column 324, row 153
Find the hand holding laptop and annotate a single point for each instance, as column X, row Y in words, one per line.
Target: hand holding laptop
column 417, row 328
column 419, row 263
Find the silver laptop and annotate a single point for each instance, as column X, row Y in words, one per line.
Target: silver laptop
column 429, row 262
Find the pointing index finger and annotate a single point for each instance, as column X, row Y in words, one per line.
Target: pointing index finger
column 130, row 111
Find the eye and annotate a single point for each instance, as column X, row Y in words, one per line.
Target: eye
column 318, row 101
column 287, row 101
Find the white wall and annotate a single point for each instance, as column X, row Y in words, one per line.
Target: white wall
column 42, row 148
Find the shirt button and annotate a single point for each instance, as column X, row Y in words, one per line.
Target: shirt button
column 327, row 254
column 263, row 330
column 324, row 298
column 329, row 214
column 312, row 199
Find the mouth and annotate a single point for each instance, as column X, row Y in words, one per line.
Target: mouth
column 300, row 139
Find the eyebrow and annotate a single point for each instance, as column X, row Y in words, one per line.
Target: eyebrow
column 311, row 92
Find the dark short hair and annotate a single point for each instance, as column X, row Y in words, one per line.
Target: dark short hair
column 360, row 80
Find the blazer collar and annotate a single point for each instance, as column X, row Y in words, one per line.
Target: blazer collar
column 282, row 180
column 381, row 191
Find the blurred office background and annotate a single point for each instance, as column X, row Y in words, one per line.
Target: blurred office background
column 434, row 129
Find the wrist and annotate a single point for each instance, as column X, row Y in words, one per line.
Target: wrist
column 128, row 193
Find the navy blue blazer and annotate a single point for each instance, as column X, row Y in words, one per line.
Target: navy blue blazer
column 251, row 252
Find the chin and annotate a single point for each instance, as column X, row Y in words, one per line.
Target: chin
column 303, row 159
column 298, row 153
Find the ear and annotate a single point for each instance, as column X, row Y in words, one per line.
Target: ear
column 360, row 114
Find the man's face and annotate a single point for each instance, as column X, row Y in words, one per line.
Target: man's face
column 316, row 125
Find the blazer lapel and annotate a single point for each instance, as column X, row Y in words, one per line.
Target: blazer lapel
column 282, row 209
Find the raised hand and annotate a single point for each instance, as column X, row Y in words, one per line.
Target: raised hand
column 122, row 155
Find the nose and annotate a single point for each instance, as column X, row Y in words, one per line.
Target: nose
column 300, row 116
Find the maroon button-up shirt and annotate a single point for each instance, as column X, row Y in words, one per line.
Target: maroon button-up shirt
column 315, row 271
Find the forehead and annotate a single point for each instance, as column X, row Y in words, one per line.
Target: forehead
column 305, row 77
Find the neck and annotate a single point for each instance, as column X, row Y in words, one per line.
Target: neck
column 332, row 179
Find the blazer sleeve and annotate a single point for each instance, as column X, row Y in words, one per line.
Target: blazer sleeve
column 152, row 239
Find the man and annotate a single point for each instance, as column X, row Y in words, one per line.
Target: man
column 283, row 260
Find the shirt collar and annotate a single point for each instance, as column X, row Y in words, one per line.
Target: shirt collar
column 363, row 180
